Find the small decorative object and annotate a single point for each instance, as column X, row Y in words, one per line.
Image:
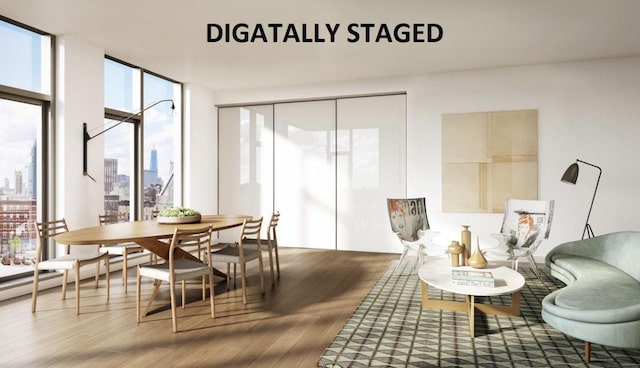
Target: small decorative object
column 477, row 260
column 466, row 244
column 454, row 250
column 179, row 215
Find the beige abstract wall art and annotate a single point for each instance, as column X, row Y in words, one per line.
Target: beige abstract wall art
column 488, row 157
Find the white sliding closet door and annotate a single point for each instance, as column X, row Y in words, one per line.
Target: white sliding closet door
column 305, row 173
column 245, row 151
column 371, row 166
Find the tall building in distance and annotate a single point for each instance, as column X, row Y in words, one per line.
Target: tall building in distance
column 153, row 165
column 19, row 186
column 110, row 174
column 33, row 178
column 151, row 175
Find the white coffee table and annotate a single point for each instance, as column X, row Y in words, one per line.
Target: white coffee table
column 437, row 273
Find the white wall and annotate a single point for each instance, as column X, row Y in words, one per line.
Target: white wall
column 79, row 98
column 587, row 110
column 200, row 175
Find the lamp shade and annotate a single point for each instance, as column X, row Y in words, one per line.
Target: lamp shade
column 571, row 174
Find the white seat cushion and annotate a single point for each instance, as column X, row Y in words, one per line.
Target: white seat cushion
column 185, row 269
column 253, row 244
column 66, row 262
column 232, row 255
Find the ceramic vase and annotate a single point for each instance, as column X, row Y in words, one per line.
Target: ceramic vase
column 454, row 251
column 477, row 259
column 465, row 242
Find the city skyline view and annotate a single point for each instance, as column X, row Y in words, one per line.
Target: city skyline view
column 18, row 135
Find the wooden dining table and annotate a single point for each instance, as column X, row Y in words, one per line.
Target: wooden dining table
column 150, row 235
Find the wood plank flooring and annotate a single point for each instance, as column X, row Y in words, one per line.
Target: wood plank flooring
column 290, row 326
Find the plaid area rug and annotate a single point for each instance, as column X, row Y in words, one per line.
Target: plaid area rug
column 390, row 329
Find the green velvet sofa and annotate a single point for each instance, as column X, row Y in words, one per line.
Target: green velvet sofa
column 601, row 302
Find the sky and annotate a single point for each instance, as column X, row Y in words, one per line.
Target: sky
column 16, row 136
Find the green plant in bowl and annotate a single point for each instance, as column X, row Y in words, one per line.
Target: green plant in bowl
column 178, row 215
column 178, row 212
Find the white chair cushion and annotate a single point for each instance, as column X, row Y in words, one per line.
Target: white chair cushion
column 232, row 255
column 185, row 269
column 253, row 244
column 66, row 262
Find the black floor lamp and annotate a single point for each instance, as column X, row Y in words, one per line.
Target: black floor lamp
column 571, row 176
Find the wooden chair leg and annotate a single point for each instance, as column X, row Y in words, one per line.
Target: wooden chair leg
column 108, row 277
column 273, row 277
column 211, row 295
column 228, row 276
column 243, row 279
column 204, row 288
column 77, row 272
column 235, row 276
column 65, row 274
column 138, row 294
column 34, row 296
column 184, row 294
column 125, row 255
column 97, row 278
column 587, row 351
column 173, row 306
column 275, row 249
column 262, row 274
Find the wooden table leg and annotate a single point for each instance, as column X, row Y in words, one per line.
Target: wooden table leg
column 470, row 300
column 469, row 306
column 156, row 287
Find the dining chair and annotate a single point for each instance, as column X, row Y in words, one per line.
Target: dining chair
column 48, row 229
column 179, row 270
column 525, row 224
column 120, row 249
column 270, row 244
column 409, row 221
column 238, row 254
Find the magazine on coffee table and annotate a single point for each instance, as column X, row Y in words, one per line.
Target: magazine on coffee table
column 472, row 278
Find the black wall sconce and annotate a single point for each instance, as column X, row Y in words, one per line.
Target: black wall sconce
column 86, row 137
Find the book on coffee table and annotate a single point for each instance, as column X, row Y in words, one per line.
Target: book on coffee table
column 473, row 278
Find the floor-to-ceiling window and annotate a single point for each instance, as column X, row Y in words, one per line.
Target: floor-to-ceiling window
column 142, row 141
column 162, row 132
column 25, row 87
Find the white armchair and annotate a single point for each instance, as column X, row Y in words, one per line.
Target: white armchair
column 408, row 218
column 526, row 223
